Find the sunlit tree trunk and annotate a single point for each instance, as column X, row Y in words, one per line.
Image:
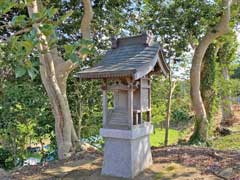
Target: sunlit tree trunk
column 227, row 113
column 201, row 122
column 169, row 105
column 208, row 79
column 54, row 72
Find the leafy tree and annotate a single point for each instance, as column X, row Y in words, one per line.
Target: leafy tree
column 24, row 111
column 226, row 55
column 37, row 39
column 53, row 33
column 185, row 24
column 5, row 156
column 222, row 27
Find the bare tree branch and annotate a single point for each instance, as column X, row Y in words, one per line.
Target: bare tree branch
column 86, row 20
column 22, row 31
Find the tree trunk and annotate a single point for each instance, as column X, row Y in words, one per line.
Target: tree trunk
column 80, row 120
column 54, row 72
column 208, row 79
column 86, row 20
column 63, row 120
column 227, row 113
column 201, row 123
column 168, row 116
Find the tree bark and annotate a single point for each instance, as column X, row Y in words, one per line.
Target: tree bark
column 201, row 122
column 208, row 79
column 86, row 20
column 168, row 116
column 54, row 72
column 227, row 113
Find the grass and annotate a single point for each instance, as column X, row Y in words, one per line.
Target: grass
column 236, row 128
column 157, row 138
column 230, row 142
column 36, row 155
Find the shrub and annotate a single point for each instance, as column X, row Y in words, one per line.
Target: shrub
column 180, row 115
column 6, row 160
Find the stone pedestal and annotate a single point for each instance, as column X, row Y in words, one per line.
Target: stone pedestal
column 126, row 152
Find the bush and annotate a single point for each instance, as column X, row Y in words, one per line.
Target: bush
column 180, row 115
column 96, row 141
column 6, row 160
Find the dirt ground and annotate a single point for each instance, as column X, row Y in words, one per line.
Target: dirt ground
column 171, row 163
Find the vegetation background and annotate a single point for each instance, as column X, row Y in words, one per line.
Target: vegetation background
column 26, row 116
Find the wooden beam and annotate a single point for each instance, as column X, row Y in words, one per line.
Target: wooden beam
column 130, row 105
column 123, row 87
column 118, row 87
column 140, row 102
column 149, row 100
column 104, row 102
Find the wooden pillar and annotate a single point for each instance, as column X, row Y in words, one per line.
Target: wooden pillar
column 130, row 105
column 104, row 102
column 140, row 102
column 149, row 114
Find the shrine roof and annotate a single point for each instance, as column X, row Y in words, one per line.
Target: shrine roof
column 132, row 57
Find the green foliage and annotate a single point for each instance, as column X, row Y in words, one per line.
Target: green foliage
column 227, row 57
column 159, row 99
column 180, row 101
column 208, row 85
column 6, row 160
column 236, row 74
column 84, row 47
column 88, row 110
column 227, row 53
column 97, row 141
column 60, row 22
column 235, row 90
column 6, row 6
column 180, row 115
column 179, row 22
column 19, row 20
column 22, row 48
column 25, row 116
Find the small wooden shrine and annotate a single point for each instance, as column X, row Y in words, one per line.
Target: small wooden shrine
column 126, row 72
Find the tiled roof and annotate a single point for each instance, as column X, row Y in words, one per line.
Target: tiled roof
column 129, row 57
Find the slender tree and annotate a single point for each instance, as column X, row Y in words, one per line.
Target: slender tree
column 222, row 27
column 54, row 72
column 227, row 53
column 172, row 85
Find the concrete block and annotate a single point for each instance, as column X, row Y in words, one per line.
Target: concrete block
column 126, row 157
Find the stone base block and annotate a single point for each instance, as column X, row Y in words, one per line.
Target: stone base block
column 126, row 152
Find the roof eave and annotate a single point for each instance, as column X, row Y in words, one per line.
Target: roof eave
column 158, row 59
column 162, row 63
column 106, row 74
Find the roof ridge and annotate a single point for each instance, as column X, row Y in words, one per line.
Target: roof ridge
column 146, row 38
